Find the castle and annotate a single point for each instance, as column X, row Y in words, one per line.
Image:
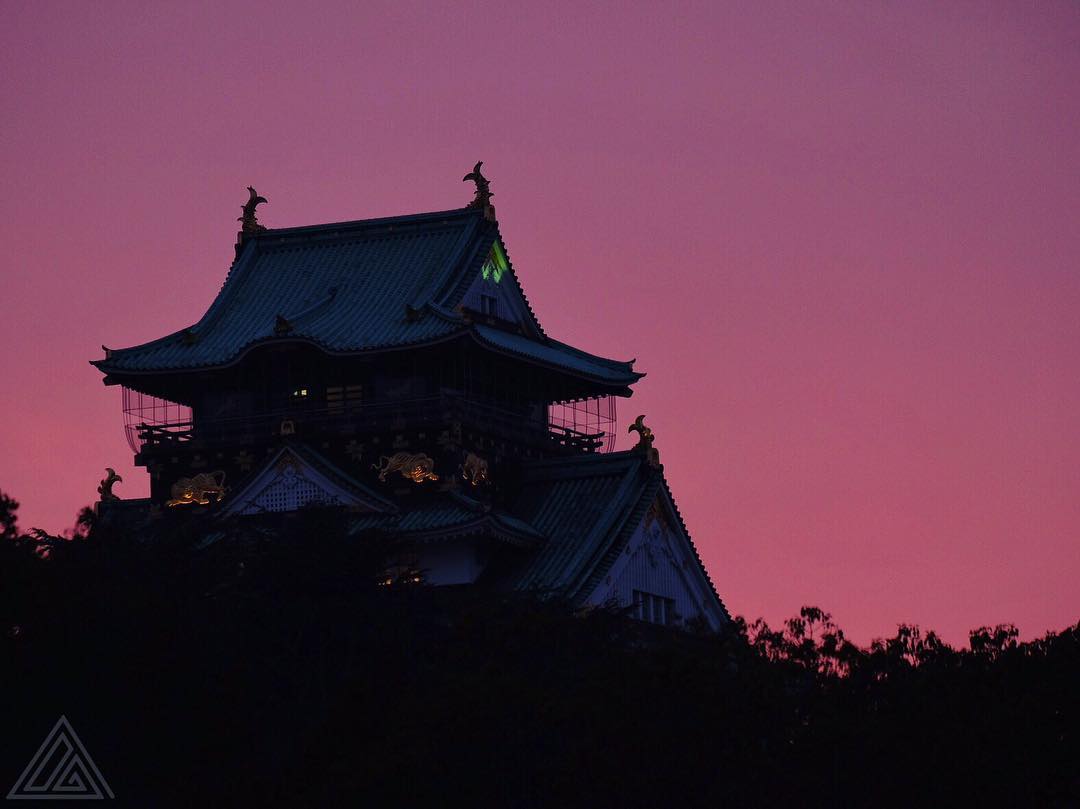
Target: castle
column 393, row 369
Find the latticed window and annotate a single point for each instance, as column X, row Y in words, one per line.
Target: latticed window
column 290, row 492
column 653, row 608
column 343, row 397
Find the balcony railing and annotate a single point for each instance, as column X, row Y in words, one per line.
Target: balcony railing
column 176, row 433
column 429, row 412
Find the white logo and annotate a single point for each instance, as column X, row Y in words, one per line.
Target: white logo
column 61, row 768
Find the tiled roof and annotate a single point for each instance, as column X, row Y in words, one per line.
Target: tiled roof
column 448, row 515
column 587, row 506
column 557, row 354
column 351, row 287
column 580, row 504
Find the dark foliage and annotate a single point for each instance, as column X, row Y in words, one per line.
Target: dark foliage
column 275, row 669
column 9, row 528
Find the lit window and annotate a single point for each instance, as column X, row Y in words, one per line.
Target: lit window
column 397, row 575
column 300, row 393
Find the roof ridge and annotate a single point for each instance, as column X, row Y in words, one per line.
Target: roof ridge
column 690, row 540
column 357, row 224
column 610, row 459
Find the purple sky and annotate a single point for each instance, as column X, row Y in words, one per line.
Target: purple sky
column 841, row 239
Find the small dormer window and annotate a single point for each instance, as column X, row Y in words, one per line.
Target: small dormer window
column 653, row 608
column 489, row 305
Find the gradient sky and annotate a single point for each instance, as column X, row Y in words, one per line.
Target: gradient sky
column 841, row 238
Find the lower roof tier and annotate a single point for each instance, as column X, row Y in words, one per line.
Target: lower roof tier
column 581, row 528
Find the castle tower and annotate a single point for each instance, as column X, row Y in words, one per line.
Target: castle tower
column 394, row 369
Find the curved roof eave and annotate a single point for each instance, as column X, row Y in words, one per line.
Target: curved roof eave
column 622, row 382
column 262, row 342
column 515, row 346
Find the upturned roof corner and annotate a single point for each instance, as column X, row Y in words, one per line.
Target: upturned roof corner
column 359, row 287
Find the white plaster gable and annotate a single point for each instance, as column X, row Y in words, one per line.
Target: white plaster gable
column 659, row 560
column 496, row 281
column 291, row 482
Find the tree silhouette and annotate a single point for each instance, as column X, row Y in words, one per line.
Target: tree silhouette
column 264, row 662
column 8, row 517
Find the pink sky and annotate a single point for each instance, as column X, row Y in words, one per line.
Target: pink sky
column 842, row 239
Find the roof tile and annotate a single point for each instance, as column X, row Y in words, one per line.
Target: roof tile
column 345, row 287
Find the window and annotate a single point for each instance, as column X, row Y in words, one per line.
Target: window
column 653, row 608
column 343, row 397
column 489, row 305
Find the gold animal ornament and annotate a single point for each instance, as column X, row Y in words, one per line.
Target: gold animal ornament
column 416, row 466
column 645, row 441
column 105, row 487
column 475, row 469
column 197, row 490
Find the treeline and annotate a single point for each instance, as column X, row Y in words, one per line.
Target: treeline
column 273, row 667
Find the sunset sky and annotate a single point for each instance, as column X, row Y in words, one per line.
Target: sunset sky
column 841, row 238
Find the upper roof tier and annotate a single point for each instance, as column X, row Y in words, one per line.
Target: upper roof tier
column 367, row 286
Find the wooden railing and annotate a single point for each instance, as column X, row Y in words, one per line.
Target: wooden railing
column 430, row 412
column 574, row 439
column 155, row 434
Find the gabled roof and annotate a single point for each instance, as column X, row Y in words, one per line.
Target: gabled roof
column 579, row 503
column 587, row 506
column 298, row 476
column 351, row 287
column 451, row 515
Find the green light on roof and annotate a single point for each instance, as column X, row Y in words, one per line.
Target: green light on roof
column 496, row 265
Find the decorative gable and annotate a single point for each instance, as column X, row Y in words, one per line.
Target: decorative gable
column 495, row 291
column 291, row 482
column 658, row 577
